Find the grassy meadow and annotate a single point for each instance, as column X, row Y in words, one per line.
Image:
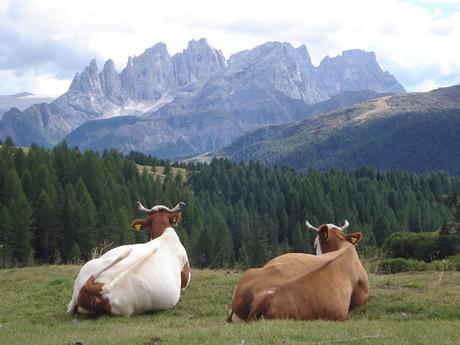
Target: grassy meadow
column 410, row 308
column 159, row 171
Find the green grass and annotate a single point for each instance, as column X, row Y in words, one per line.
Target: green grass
column 414, row 308
column 159, row 171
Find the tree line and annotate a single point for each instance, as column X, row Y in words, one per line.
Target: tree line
column 59, row 205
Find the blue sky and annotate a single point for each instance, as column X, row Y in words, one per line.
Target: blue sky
column 43, row 43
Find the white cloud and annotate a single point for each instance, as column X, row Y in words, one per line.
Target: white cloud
column 415, row 40
column 41, row 84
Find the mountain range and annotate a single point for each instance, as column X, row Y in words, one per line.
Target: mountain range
column 196, row 100
column 414, row 131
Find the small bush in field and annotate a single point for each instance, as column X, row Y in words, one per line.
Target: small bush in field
column 440, row 265
column 455, row 262
column 426, row 246
column 397, row 265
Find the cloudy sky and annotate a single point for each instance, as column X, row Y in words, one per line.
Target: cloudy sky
column 44, row 42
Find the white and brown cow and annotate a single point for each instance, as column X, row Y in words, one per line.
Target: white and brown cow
column 303, row 286
column 137, row 278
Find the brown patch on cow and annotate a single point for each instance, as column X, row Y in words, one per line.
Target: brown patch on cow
column 185, row 275
column 158, row 222
column 333, row 239
column 90, row 298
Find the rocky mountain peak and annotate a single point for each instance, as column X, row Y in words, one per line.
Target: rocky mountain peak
column 304, row 56
column 197, row 43
column 356, row 70
column 198, row 62
column 109, row 66
column 147, row 76
column 111, row 84
column 87, row 81
column 287, row 69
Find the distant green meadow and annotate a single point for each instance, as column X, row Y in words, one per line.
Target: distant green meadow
column 409, row 308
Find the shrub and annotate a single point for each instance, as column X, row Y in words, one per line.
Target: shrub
column 440, row 265
column 426, row 246
column 455, row 262
column 371, row 257
column 397, row 265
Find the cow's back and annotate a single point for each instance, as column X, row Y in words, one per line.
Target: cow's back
column 325, row 293
column 256, row 281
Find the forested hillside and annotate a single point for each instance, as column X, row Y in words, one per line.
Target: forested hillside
column 58, row 205
column 416, row 132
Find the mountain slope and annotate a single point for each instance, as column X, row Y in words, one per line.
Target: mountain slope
column 416, row 132
column 179, row 136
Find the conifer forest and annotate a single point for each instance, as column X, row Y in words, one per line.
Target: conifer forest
column 62, row 205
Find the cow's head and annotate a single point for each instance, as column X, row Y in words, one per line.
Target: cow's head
column 159, row 219
column 331, row 237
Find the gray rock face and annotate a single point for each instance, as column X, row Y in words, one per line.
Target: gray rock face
column 201, row 100
column 281, row 66
column 355, row 70
column 111, row 84
column 197, row 63
column 147, row 76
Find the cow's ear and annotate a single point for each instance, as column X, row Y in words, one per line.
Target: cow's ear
column 140, row 224
column 354, row 238
column 175, row 218
column 323, row 233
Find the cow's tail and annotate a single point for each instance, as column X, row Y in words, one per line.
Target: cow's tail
column 261, row 305
column 230, row 317
column 132, row 268
column 73, row 304
column 120, row 257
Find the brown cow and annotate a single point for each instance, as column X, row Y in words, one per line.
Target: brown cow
column 305, row 287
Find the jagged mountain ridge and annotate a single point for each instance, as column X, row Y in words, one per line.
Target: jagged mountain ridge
column 269, row 84
column 412, row 131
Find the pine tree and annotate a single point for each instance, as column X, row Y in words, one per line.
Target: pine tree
column 45, row 228
column 301, row 239
column 380, row 230
column 6, row 238
column 457, row 213
column 223, row 255
column 86, row 220
column 67, row 231
column 22, row 236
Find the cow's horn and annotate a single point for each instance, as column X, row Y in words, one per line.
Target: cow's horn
column 311, row 227
column 178, row 207
column 345, row 226
column 142, row 208
column 158, row 208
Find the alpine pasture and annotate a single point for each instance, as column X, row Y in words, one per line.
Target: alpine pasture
column 409, row 308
